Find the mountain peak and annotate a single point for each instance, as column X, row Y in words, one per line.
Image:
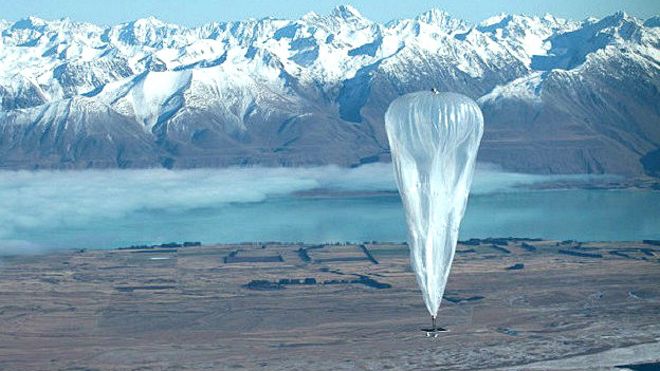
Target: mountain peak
column 29, row 23
column 312, row 15
column 494, row 20
column 619, row 23
column 652, row 22
column 143, row 31
column 346, row 12
column 621, row 14
column 433, row 15
column 442, row 19
column 149, row 21
column 615, row 19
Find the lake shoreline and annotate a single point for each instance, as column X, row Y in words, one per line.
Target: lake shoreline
column 494, row 242
column 642, row 184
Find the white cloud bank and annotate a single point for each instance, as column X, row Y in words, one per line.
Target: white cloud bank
column 33, row 200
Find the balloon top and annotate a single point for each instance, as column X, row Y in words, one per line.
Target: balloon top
column 439, row 108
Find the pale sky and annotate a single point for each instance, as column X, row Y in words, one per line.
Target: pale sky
column 196, row 12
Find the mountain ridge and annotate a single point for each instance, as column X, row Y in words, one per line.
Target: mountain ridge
column 558, row 95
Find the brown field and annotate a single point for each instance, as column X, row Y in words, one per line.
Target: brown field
column 293, row 307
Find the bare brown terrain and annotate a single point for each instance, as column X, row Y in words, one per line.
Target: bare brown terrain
column 510, row 304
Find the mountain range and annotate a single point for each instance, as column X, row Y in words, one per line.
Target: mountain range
column 558, row 96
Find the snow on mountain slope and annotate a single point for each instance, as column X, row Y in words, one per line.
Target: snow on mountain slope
column 76, row 132
column 523, row 36
column 527, row 88
column 570, row 49
column 602, row 93
column 313, row 90
column 591, row 48
column 68, row 58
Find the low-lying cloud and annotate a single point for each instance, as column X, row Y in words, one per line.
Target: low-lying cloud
column 36, row 200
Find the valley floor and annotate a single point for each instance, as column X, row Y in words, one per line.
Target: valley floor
column 509, row 304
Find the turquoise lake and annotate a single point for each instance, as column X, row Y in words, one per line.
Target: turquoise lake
column 104, row 209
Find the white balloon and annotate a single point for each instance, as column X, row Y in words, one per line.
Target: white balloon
column 434, row 138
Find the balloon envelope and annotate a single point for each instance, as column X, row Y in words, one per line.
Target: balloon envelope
column 434, row 138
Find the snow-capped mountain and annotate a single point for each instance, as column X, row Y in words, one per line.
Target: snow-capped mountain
column 558, row 95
